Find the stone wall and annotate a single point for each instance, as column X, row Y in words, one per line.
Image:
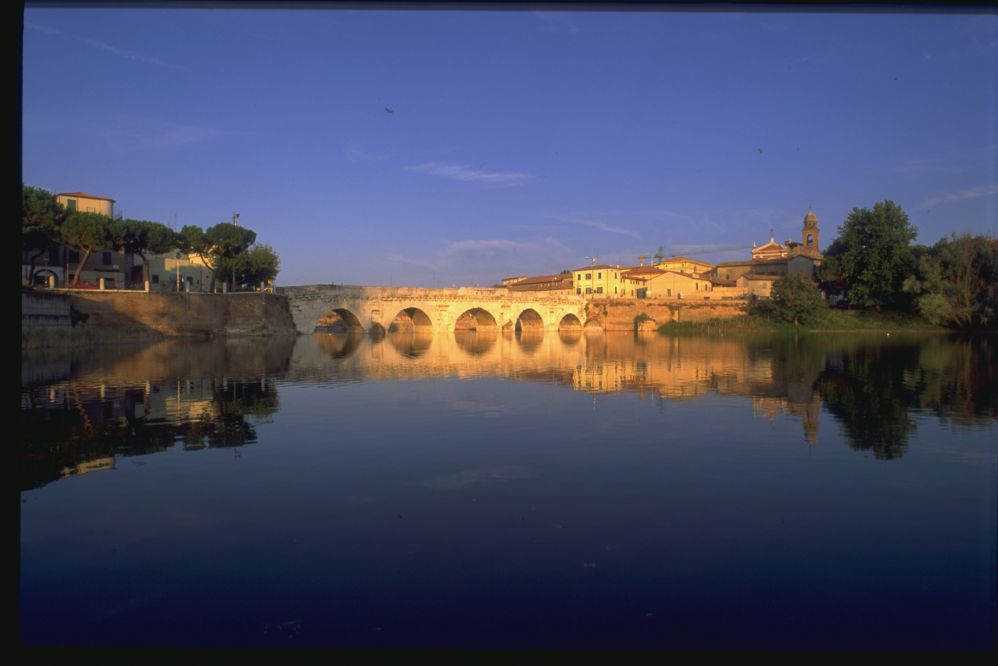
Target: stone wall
column 118, row 314
column 631, row 314
column 45, row 309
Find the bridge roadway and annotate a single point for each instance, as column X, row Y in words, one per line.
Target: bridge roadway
column 439, row 310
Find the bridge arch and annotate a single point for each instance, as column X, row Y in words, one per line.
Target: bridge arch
column 570, row 323
column 529, row 320
column 476, row 319
column 410, row 319
column 338, row 320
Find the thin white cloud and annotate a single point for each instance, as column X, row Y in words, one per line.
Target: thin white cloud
column 704, row 248
column 486, row 247
column 463, row 172
column 144, row 134
column 38, row 27
column 358, row 155
column 121, row 53
column 974, row 193
column 602, row 226
column 428, row 264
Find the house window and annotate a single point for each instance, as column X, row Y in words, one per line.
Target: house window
column 578, row 277
column 599, row 276
column 615, row 290
column 589, row 276
column 155, row 279
column 589, row 290
column 578, row 290
column 106, row 258
column 668, row 292
column 599, row 290
column 71, row 205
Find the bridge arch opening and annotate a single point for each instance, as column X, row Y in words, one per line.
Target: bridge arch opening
column 475, row 319
column 570, row 323
column 409, row 320
column 529, row 320
column 339, row 320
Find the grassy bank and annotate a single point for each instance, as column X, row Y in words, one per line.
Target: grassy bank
column 828, row 321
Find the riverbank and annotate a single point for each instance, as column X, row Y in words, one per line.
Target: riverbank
column 108, row 317
column 831, row 321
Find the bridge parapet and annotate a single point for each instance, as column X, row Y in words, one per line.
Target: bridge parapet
column 370, row 307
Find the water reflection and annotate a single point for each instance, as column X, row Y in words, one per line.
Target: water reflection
column 123, row 402
column 80, row 409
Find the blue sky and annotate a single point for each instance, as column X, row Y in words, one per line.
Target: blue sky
column 518, row 142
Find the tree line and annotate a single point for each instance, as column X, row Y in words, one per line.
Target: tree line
column 875, row 264
column 229, row 251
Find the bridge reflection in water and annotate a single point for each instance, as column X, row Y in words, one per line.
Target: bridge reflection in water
column 651, row 365
column 82, row 408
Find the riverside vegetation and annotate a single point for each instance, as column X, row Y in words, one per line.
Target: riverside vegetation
column 879, row 279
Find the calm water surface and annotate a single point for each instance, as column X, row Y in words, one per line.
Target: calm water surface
column 553, row 491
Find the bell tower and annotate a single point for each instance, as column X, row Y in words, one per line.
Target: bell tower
column 809, row 234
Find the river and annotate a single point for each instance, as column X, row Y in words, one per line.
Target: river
column 498, row 491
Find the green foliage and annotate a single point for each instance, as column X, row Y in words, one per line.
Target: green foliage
column 143, row 237
column 41, row 217
column 192, row 240
column 259, row 264
column 87, row 232
column 796, row 299
column 956, row 283
column 872, row 257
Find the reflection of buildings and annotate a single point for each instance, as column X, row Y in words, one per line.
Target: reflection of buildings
column 668, row 368
column 77, row 426
column 772, row 408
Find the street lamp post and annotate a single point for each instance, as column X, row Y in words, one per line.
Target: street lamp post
column 178, row 271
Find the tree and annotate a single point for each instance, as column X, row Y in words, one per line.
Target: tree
column 228, row 241
column 955, row 282
column 795, row 298
column 143, row 237
column 259, row 264
column 87, row 232
column 872, row 257
column 41, row 217
column 218, row 247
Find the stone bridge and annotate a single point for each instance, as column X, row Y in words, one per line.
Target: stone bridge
column 383, row 309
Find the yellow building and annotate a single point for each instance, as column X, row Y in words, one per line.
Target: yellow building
column 651, row 282
column 599, row 281
column 168, row 270
column 684, row 265
column 85, row 203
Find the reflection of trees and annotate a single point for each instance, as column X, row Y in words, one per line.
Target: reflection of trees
column 867, row 391
column 64, row 431
column 957, row 378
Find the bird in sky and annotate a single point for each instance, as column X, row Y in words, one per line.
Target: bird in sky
column 387, row 110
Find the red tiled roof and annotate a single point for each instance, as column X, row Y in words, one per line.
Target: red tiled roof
column 642, row 269
column 681, row 258
column 586, row 268
column 545, row 278
column 83, row 195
